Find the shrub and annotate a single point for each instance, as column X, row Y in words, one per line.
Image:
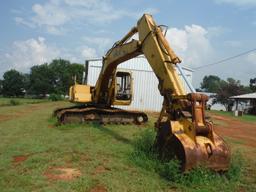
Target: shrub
column 14, row 102
column 55, row 97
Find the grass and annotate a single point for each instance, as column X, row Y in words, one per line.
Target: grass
column 244, row 118
column 234, row 141
column 199, row 179
column 117, row 157
column 219, row 122
column 19, row 101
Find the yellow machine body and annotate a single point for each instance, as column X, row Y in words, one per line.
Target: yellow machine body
column 122, row 88
column 80, row 93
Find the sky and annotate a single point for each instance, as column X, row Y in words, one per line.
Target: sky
column 200, row 32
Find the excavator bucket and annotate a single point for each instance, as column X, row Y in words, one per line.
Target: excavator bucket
column 192, row 139
column 215, row 156
column 204, row 152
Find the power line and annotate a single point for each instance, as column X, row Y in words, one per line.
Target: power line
column 226, row 59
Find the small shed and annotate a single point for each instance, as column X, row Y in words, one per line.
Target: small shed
column 146, row 95
column 246, row 102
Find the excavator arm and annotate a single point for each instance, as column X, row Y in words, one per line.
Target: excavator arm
column 156, row 49
column 104, row 89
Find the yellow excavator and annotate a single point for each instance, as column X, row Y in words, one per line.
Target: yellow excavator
column 183, row 131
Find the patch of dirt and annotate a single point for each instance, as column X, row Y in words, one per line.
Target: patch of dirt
column 100, row 169
column 6, row 117
column 32, row 107
column 19, row 113
column 105, row 160
column 20, row 158
column 241, row 189
column 62, row 173
column 83, row 157
column 29, row 108
column 220, row 117
column 98, row 188
column 242, row 131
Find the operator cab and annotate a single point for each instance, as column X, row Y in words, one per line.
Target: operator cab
column 123, row 88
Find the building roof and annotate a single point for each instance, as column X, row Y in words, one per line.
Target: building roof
column 245, row 96
column 140, row 56
column 209, row 94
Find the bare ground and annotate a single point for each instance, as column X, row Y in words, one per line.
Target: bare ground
column 19, row 159
column 242, row 131
column 62, row 173
column 98, row 188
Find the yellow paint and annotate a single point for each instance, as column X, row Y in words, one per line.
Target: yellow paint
column 80, row 93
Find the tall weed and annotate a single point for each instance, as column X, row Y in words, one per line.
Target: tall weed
column 199, row 178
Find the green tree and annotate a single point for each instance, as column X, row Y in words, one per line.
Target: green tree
column 13, row 83
column 229, row 88
column 63, row 71
column 1, row 87
column 77, row 70
column 211, row 83
column 41, row 81
column 59, row 68
column 253, row 84
column 55, row 77
column 223, row 89
column 26, row 82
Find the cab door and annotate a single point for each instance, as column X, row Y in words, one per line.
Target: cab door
column 123, row 88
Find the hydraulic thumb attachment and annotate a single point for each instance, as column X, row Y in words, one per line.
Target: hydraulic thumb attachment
column 185, row 134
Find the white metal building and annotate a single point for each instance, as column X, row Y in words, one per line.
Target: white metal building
column 245, row 103
column 145, row 84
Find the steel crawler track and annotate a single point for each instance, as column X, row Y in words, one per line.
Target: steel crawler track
column 81, row 114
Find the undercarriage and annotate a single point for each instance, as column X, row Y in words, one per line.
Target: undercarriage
column 103, row 115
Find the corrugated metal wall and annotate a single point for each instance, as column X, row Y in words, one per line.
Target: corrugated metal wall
column 145, row 84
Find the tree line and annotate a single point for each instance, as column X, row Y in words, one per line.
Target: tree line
column 48, row 78
column 56, row 78
column 224, row 89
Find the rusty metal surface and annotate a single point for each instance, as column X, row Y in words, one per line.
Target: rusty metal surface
column 200, row 145
column 215, row 156
column 209, row 152
column 99, row 114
